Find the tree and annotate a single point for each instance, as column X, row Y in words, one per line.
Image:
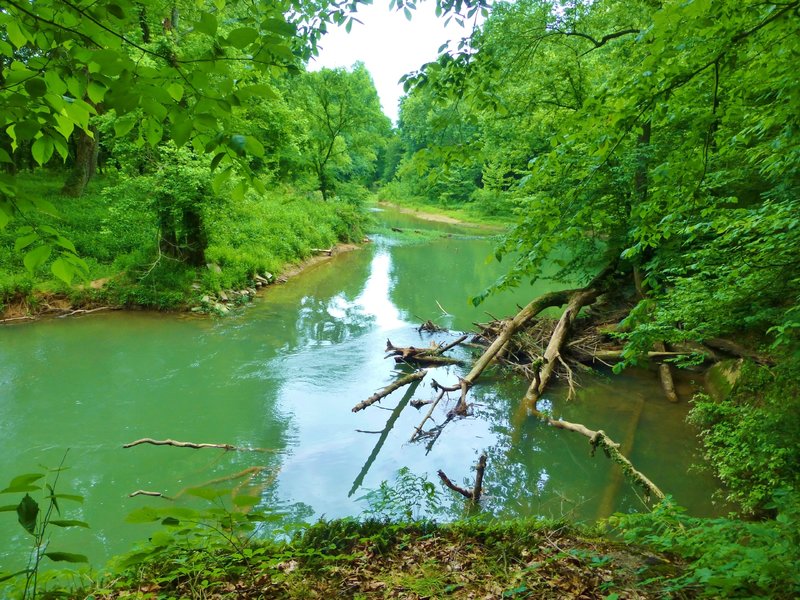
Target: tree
column 659, row 135
column 165, row 69
column 346, row 126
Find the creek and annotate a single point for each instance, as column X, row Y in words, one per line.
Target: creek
column 283, row 373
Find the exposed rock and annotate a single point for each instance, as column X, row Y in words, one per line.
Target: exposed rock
column 223, row 296
column 722, row 377
column 214, row 268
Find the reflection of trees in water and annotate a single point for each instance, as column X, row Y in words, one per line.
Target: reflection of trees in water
column 532, row 468
column 322, row 321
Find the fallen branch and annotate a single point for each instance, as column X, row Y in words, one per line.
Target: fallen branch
column 599, row 439
column 456, row 488
column 429, row 326
column 442, row 391
column 85, row 311
column 475, row 493
column 423, row 356
column 415, row 376
column 614, row 355
column 508, row 328
column 22, row 318
column 553, row 352
column 192, row 445
column 146, row 493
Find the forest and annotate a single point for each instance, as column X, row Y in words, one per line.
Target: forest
column 162, row 154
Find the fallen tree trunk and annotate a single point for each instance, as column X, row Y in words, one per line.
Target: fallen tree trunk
column 665, row 374
column 415, row 376
column 615, row 355
column 508, row 329
column 553, row 352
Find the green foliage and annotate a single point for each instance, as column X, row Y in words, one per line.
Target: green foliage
column 345, row 127
column 751, row 438
column 728, row 558
column 409, row 498
column 38, row 522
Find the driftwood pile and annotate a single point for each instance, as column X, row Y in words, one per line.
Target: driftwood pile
column 545, row 349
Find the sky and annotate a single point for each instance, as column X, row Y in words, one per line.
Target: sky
column 389, row 45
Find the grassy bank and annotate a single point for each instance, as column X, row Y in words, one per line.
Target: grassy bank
column 117, row 228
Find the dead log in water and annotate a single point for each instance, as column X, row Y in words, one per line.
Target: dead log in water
column 411, row 378
column 431, row 356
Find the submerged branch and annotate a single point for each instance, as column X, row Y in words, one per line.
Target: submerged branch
column 193, row 445
column 411, row 378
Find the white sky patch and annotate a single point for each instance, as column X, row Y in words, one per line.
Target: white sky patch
column 389, row 45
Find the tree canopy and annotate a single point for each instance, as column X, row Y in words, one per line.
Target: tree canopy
column 662, row 135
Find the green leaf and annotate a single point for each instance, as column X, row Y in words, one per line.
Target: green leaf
column 246, row 501
column 15, row 34
column 63, row 270
column 27, row 511
column 176, row 91
column 36, row 87
column 42, row 150
column 253, row 146
column 123, row 125
column 207, row 24
column 8, row 508
column 24, row 241
column 22, row 483
column 181, row 131
column 96, row 91
column 36, row 258
column 116, row 11
column 73, row 497
column 68, row 523
column 242, row 37
column 7, row 576
column 66, row 557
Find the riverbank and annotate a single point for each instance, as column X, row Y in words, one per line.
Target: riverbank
column 43, row 305
column 448, row 216
column 351, row 559
column 130, row 264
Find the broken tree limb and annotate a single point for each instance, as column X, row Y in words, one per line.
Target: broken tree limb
column 415, row 376
column 599, row 439
column 423, row 356
column 665, row 374
column 478, row 487
column 456, row 488
column 615, row 355
column 192, row 445
column 146, row 493
column 475, row 493
column 553, row 352
column 442, row 391
column 508, row 328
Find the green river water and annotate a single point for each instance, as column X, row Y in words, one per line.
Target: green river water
column 283, row 374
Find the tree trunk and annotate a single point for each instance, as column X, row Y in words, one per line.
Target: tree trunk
column 85, row 163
